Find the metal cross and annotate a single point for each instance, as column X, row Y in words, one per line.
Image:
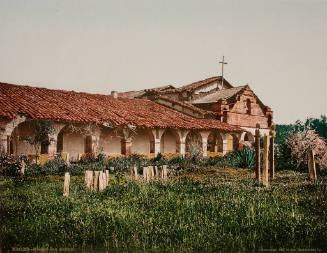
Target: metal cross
column 222, row 71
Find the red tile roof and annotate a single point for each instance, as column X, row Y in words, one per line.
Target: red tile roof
column 60, row 105
column 192, row 86
column 189, row 106
column 139, row 93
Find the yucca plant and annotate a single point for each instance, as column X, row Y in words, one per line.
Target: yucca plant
column 245, row 158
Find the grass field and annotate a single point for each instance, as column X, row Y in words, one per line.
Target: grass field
column 219, row 209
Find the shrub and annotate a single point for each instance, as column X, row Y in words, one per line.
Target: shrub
column 235, row 159
column 10, row 166
column 88, row 158
column 245, row 158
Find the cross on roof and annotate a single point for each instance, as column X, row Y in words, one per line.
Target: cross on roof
column 222, row 71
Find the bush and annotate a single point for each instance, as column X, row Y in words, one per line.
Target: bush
column 10, row 166
column 55, row 167
column 236, row 159
column 88, row 158
column 246, row 158
column 190, row 163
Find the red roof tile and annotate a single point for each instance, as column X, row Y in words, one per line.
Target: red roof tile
column 192, row 86
column 59, row 105
column 189, row 106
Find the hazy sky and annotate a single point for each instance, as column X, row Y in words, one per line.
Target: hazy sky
column 278, row 47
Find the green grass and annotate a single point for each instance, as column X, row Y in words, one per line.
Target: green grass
column 219, row 209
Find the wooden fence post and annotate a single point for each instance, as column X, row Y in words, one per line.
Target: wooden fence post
column 66, row 184
column 104, row 177
column 23, row 167
column 96, row 180
column 145, row 173
column 272, row 134
column 86, row 177
column 135, row 173
column 164, row 172
column 151, row 172
column 89, row 179
column 257, row 153
column 101, row 181
column 312, row 165
column 265, row 177
column 156, row 171
column 107, row 178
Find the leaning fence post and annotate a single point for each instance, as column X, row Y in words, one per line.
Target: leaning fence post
column 312, row 165
column 272, row 134
column 257, row 152
column 265, row 179
column 66, row 184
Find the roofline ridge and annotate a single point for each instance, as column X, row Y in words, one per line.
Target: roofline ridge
column 44, row 88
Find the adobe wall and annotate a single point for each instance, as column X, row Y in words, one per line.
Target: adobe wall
column 247, row 112
column 141, row 142
column 22, row 147
column 168, row 143
column 246, row 120
column 73, row 143
column 110, row 142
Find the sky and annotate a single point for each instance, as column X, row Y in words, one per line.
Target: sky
column 278, row 47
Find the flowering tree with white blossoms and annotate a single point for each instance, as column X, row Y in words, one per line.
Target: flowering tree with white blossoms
column 301, row 142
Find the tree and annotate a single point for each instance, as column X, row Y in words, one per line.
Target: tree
column 283, row 152
column 40, row 137
column 301, row 142
column 318, row 124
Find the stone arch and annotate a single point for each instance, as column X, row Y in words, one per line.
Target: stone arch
column 247, row 136
column 72, row 142
column 110, row 140
column 220, row 143
column 213, row 142
column 169, row 141
column 18, row 146
column 193, row 139
column 142, row 141
column 246, row 140
column 232, row 142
